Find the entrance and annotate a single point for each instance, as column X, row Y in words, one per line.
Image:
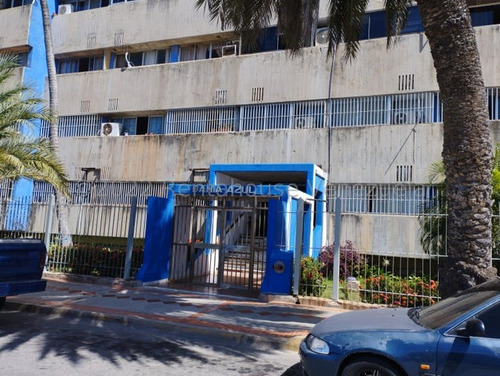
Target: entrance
column 219, row 242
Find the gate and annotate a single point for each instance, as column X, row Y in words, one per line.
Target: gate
column 219, row 242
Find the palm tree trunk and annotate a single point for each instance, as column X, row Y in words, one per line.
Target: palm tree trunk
column 310, row 8
column 61, row 202
column 467, row 148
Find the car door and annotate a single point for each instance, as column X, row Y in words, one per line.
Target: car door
column 472, row 355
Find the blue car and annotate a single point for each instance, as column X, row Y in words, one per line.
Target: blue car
column 457, row 336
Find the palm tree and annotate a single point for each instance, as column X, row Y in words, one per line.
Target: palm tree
column 433, row 220
column 61, row 202
column 467, row 148
column 297, row 19
column 22, row 155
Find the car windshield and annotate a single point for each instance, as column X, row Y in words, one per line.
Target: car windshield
column 449, row 309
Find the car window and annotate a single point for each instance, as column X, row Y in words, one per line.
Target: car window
column 490, row 318
column 450, row 309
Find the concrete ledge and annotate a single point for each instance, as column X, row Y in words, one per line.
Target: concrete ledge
column 81, row 278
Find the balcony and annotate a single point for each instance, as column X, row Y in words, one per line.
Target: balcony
column 15, row 24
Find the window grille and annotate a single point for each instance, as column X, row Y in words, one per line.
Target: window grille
column 75, row 126
column 409, row 108
column 384, row 198
column 221, row 119
column 104, row 193
column 387, row 109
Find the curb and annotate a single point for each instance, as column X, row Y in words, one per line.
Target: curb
column 290, row 344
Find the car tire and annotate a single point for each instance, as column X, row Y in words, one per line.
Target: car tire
column 369, row 366
column 2, row 301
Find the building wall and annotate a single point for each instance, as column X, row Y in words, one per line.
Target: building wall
column 379, row 234
column 17, row 22
column 159, row 23
column 364, row 154
column 195, row 83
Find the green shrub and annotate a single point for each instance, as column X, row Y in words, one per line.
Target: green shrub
column 386, row 288
column 311, row 279
column 92, row 260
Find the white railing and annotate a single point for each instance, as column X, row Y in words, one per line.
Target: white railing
column 104, row 193
column 384, row 198
column 75, row 126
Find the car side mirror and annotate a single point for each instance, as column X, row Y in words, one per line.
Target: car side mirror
column 473, row 328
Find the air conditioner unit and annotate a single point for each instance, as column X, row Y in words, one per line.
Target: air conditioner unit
column 401, row 117
column 322, row 37
column 65, row 9
column 407, row 116
column 304, row 122
column 111, row 129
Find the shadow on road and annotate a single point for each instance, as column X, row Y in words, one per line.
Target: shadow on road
column 75, row 339
column 295, row 370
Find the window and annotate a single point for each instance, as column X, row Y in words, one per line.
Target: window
column 137, row 59
column 85, row 64
column 489, row 317
column 155, row 125
column 14, row 3
column 141, row 125
column 79, row 5
column 22, row 59
column 67, row 66
column 485, row 15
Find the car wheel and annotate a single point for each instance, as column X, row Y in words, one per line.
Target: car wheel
column 2, row 301
column 370, row 367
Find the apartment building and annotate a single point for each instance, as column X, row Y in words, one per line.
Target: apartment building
column 151, row 91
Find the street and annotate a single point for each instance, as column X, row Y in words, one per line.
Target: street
column 56, row 345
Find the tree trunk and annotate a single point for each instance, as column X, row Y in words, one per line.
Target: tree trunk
column 61, row 202
column 467, row 148
column 310, row 8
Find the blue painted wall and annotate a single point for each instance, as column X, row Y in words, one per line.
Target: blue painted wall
column 281, row 208
column 158, row 241
column 35, row 75
column 276, row 250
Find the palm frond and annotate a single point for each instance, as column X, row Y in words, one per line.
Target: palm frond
column 31, row 158
column 21, row 154
column 395, row 18
column 437, row 173
column 346, row 23
column 247, row 17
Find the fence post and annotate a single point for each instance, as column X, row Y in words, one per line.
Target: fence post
column 336, row 250
column 298, row 246
column 130, row 238
column 48, row 226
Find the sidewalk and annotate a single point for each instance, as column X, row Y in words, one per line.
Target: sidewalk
column 274, row 323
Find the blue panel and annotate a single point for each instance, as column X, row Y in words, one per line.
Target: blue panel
column 320, row 208
column 481, row 16
column 159, row 231
column 277, row 282
column 414, row 22
column 174, row 54
column 268, row 40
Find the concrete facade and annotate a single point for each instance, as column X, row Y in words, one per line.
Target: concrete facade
column 366, row 154
column 172, row 157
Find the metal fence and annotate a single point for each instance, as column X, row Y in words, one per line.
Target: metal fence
column 102, row 235
column 401, row 199
column 383, row 258
column 376, row 271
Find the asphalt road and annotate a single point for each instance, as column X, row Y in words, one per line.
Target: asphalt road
column 65, row 346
